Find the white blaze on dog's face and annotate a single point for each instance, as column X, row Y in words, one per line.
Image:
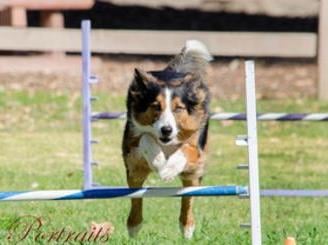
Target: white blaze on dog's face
column 169, row 110
column 166, row 125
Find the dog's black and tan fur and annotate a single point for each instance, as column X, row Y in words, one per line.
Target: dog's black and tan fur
column 168, row 115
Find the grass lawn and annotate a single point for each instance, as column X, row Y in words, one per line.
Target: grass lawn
column 40, row 148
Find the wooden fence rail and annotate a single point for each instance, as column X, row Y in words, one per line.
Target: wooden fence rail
column 161, row 42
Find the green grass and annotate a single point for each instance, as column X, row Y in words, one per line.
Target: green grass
column 40, row 143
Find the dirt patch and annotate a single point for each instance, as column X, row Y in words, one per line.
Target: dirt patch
column 275, row 78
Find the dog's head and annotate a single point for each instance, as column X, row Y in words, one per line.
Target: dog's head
column 168, row 105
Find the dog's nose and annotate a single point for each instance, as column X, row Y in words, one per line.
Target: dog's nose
column 166, row 130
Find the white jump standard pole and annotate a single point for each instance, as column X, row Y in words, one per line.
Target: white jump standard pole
column 86, row 123
column 254, row 189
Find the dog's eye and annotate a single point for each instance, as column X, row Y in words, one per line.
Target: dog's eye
column 179, row 109
column 156, row 106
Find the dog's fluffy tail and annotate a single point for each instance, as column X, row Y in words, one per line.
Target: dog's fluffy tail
column 193, row 58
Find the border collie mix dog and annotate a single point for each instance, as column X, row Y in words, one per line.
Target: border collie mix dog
column 166, row 129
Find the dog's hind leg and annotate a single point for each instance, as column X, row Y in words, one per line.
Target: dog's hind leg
column 187, row 222
column 134, row 222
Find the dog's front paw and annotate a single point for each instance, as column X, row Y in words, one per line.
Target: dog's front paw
column 168, row 173
column 174, row 166
column 187, row 230
column 134, row 230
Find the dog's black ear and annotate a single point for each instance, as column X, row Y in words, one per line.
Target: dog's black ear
column 142, row 78
column 143, row 90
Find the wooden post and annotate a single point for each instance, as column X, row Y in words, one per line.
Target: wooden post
column 53, row 19
column 323, row 51
column 13, row 16
column 18, row 17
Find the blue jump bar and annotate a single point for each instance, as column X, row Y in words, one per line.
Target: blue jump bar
column 119, row 192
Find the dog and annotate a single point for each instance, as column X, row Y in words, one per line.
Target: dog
column 166, row 128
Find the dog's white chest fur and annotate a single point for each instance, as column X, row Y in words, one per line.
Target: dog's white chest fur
column 165, row 160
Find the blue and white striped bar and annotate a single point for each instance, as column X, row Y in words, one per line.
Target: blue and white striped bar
column 119, row 192
column 232, row 116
